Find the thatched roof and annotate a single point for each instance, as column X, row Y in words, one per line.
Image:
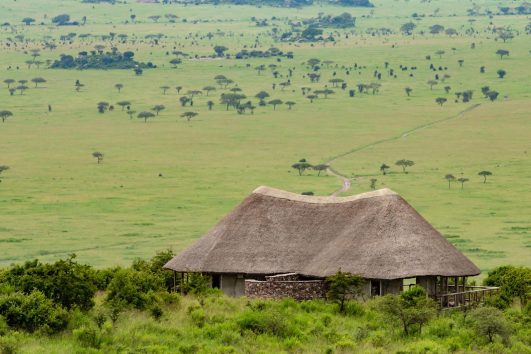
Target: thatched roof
column 377, row 235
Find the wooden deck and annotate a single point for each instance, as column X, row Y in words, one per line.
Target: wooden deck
column 465, row 296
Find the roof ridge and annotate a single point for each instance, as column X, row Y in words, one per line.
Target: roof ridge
column 282, row 194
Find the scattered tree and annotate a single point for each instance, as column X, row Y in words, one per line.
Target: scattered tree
column 319, row 168
column 98, row 156
column 501, row 73
column 450, row 178
column 462, row 180
column 404, row 164
column 485, row 174
column 189, row 115
column 301, row 166
column 158, row 108
column 5, row 114
column 145, row 116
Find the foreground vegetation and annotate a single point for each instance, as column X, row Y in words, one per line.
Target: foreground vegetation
column 68, row 307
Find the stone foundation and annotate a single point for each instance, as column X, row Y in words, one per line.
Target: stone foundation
column 285, row 286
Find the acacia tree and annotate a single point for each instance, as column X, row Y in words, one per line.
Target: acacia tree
column 275, row 103
column 440, row 100
column 432, row 83
column 408, row 90
column 176, row 61
column 485, row 174
column 5, row 114
column 158, row 108
column 404, row 164
column 9, row 82
column 450, row 178
column 98, row 155
column 262, row 95
column 38, row 80
column 220, row 50
column 119, row 87
column 301, row 166
column 343, row 286
column 131, row 113
column 319, row 168
column 123, row 104
column 462, row 180
column 502, row 53
column 290, row 104
column 189, row 115
column 384, row 168
column 209, row 89
column 164, row 89
column 145, row 116
column 210, row 104
column 102, row 106
column 373, row 183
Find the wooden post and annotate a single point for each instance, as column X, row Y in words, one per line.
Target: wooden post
column 182, row 283
column 174, row 280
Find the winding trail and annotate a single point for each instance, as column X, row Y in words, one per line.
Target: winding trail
column 347, row 182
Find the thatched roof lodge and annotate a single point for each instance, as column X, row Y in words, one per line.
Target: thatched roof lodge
column 376, row 235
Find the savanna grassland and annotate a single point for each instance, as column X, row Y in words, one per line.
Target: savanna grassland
column 164, row 182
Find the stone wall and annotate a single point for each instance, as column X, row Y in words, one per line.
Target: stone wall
column 278, row 289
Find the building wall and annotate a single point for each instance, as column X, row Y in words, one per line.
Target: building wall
column 429, row 283
column 277, row 289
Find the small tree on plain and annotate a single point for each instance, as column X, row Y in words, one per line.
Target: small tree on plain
column 275, row 103
column 450, row 178
column 145, row 116
column 373, row 183
column 5, row 114
column 502, row 53
column 158, row 108
column 485, row 174
column 38, row 80
column 119, row 87
column 3, row 168
column 131, row 113
column 98, row 156
column 501, row 73
column 290, row 104
column 189, row 115
column 210, row 104
column 164, row 89
column 319, row 168
column 462, row 180
column 440, row 100
column 408, row 91
column 123, row 104
column 384, row 168
column 432, row 83
column 301, row 166
column 492, row 95
column 404, row 164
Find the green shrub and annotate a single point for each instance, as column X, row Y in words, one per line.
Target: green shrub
column 354, row 309
column 88, row 336
column 32, row 312
column 156, row 312
column 8, row 345
column 198, row 317
column 3, row 326
column 65, row 282
column 489, row 322
column 135, row 288
column 268, row 322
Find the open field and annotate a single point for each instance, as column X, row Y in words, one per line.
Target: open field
column 165, row 182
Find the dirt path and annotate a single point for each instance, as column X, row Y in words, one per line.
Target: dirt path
column 347, row 182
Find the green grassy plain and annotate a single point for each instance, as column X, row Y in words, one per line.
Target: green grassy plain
column 56, row 200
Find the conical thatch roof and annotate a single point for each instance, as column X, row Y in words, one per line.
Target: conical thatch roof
column 377, row 235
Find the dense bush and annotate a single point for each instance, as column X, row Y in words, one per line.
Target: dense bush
column 32, row 312
column 137, row 288
column 99, row 60
column 65, row 282
column 513, row 281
